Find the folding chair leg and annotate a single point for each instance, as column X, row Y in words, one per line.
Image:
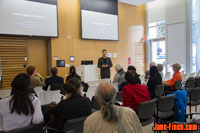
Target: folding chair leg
column 190, row 112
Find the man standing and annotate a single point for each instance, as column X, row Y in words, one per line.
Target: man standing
column 104, row 63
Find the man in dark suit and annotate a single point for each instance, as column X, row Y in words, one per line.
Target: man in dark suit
column 54, row 79
column 104, row 63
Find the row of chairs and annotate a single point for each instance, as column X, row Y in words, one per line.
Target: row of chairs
column 71, row 126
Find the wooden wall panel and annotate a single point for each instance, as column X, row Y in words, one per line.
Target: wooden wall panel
column 13, row 51
column 131, row 31
column 37, row 55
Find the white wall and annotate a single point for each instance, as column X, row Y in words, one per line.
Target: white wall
column 156, row 11
column 174, row 13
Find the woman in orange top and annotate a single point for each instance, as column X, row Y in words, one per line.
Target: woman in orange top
column 176, row 77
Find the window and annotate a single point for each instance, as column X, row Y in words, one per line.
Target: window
column 156, row 30
column 157, row 45
column 195, row 35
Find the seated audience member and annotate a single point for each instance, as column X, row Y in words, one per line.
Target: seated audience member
column 154, row 79
column 107, row 118
column 176, row 77
column 20, row 109
column 36, row 78
column 147, row 74
column 74, row 106
column 119, row 76
column 132, row 68
column 72, row 74
column 160, row 69
column 134, row 93
column 54, row 79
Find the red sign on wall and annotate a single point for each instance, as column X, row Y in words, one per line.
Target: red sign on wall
column 129, row 61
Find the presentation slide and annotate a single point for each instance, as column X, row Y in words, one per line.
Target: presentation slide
column 29, row 17
column 100, row 26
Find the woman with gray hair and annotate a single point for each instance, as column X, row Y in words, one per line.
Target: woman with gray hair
column 119, row 76
column 111, row 118
column 176, row 77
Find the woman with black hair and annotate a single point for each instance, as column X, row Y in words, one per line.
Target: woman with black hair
column 74, row 106
column 132, row 68
column 134, row 93
column 20, row 109
column 154, row 79
column 72, row 74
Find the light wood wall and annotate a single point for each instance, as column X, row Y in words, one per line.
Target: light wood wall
column 37, row 55
column 131, row 31
column 13, row 51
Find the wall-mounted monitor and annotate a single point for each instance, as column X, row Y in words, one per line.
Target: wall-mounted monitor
column 29, row 17
column 87, row 62
column 60, row 63
column 99, row 19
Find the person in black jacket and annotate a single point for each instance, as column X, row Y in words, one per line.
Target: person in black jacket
column 154, row 79
column 104, row 63
column 72, row 74
column 54, row 79
column 74, row 106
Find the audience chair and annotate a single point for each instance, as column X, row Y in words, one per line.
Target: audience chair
column 194, row 98
column 190, row 83
column 145, row 112
column 177, row 86
column 95, row 105
column 37, row 128
column 74, row 125
column 197, row 83
column 165, row 107
column 119, row 96
column 158, row 91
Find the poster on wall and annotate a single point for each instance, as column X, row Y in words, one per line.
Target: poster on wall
column 129, row 61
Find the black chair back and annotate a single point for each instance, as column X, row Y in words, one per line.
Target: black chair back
column 94, row 104
column 74, row 125
column 119, row 96
column 56, row 87
column 190, row 82
column 177, row 85
column 195, row 94
column 146, row 110
column 166, row 103
column 38, row 128
column 198, row 82
column 158, row 90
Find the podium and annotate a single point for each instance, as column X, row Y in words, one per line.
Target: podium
column 87, row 72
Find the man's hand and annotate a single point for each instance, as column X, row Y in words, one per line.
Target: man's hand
column 38, row 75
column 52, row 104
column 164, row 82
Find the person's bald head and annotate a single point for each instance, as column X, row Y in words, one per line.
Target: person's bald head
column 105, row 87
column 105, row 92
column 105, row 95
column 152, row 64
